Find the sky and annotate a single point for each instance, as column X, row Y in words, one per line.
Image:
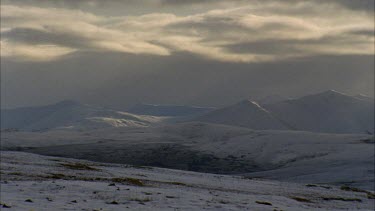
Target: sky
column 193, row 52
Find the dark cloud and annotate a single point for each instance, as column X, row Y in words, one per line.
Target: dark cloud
column 353, row 4
column 367, row 33
column 294, row 46
column 35, row 36
column 119, row 80
column 365, row 5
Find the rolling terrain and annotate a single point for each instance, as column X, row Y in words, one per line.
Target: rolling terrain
column 286, row 155
column 326, row 112
column 30, row 181
column 71, row 115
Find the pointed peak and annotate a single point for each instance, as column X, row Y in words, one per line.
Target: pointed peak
column 249, row 103
column 332, row 92
column 328, row 94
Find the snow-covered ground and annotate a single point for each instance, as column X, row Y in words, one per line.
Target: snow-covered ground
column 292, row 156
column 35, row 182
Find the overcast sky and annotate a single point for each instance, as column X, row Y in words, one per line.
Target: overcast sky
column 207, row 52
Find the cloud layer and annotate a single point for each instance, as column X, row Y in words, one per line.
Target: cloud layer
column 257, row 32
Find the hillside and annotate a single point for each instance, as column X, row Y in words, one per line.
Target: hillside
column 168, row 110
column 299, row 156
column 326, row 112
column 244, row 114
column 36, row 182
column 329, row 111
column 70, row 115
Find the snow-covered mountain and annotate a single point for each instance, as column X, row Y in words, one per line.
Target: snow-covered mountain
column 271, row 99
column 244, row 114
column 329, row 111
column 70, row 114
column 168, row 110
column 364, row 97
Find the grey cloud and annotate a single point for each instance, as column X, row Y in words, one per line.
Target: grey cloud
column 293, row 46
column 35, row 36
column 146, row 5
column 364, row 32
column 120, row 80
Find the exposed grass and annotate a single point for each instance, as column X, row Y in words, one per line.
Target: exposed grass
column 264, row 203
column 60, row 176
column 370, row 195
column 55, row 159
column 223, row 202
column 170, row 197
column 347, row 188
column 16, row 174
column 341, row 199
column 140, row 167
column 147, row 199
column 79, row 166
column 320, row 186
column 3, row 205
column 176, row 183
column 126, row 180
column 300, row 199
column 129, row 180
column 113, row 202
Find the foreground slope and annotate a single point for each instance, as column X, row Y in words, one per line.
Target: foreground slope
column 70, row 114
column 36, row 182
column 286, row 155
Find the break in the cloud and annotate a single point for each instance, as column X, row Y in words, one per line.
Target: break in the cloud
column 258, row 32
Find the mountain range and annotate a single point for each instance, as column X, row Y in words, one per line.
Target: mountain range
column 168, row 110
column 70, row 114
column 326, row 112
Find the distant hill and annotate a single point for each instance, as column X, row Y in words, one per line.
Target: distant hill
column 244, row 114
column 329, row 112
column 271, row 99
column 168, row 110
column 70, row 114
column 326, row 112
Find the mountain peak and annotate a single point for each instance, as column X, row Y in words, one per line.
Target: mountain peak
column 246, row 113
column 327, row 95
column 249, row 103
column 332, row 92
